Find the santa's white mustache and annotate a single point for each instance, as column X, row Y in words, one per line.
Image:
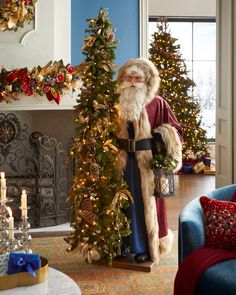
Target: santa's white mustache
column 131, row 84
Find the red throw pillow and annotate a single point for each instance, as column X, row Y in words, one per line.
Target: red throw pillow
column 220, row 223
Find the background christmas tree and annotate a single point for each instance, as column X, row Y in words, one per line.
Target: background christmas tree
column 176, row 88
column 98, row 193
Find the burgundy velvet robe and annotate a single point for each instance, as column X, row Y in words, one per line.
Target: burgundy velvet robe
column 158, row 112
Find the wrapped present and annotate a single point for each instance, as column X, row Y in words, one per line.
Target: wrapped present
column 198, row 167
column 24, row 278
column 20, row 262
column 207, row 161
column 210, row 171
column 187, row 169
column 4, row 264
column 4, row 258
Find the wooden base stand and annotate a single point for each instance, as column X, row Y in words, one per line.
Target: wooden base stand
column 129, row 263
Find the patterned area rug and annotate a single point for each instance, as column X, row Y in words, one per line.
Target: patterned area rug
column 95, row 279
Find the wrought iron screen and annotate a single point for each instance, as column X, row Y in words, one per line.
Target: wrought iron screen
column 38, row 164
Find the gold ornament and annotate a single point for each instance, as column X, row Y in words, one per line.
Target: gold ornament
column 98, row 106
column 81, row 119
column 86, row 211
column 68, row 77
column 8, row 88
column 89, row 253
column 119, row 196
column 108, row 145
column 39, row 78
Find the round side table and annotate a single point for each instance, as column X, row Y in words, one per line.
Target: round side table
column 57, row 284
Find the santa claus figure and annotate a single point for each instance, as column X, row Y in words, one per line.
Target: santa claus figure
column 146, row 122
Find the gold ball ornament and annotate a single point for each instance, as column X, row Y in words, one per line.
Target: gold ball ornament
column 39, row 78
column 68, row 77
column 77, row 83
column 8, row 88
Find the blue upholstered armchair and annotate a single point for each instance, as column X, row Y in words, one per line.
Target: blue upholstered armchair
column 220, row 278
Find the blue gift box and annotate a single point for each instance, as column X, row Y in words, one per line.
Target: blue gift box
column 187, row 169
column 20, row 262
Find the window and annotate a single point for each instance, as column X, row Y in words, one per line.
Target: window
column 197, row 40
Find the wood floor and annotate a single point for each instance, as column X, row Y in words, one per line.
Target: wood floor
column 187, row 187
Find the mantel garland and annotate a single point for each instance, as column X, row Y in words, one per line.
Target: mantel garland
column 51, row 80
column 14, row 13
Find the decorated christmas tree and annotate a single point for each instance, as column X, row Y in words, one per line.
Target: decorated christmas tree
column 176, row 88
column 98, row 193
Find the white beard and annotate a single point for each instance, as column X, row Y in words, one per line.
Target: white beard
column 132, row 100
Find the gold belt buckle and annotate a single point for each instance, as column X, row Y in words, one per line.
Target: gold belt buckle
column 131, row 145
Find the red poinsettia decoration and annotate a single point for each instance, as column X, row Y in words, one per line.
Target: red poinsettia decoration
column 60, row 78
column 70, row 69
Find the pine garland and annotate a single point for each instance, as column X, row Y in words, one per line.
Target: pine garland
column 51, row 80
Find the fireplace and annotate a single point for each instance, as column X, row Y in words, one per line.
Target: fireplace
column 38, row 163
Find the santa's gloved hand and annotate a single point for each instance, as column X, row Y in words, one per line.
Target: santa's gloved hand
column 159, row 144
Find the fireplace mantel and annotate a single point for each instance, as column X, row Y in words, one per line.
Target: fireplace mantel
column 68, row 101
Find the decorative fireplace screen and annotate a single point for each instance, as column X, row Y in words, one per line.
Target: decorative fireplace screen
column 38, row 164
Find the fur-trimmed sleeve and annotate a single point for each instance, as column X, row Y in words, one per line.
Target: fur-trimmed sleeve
column 172, row 143
column 166, row 124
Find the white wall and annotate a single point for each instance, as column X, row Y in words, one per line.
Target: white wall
column 182, row 8
column 48, row 38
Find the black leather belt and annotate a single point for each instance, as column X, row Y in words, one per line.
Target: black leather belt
column 132, row 145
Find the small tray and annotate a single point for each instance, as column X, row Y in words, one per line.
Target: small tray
column 24, row 278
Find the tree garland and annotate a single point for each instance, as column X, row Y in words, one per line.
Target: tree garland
column 51, row 80
column 14, row 13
